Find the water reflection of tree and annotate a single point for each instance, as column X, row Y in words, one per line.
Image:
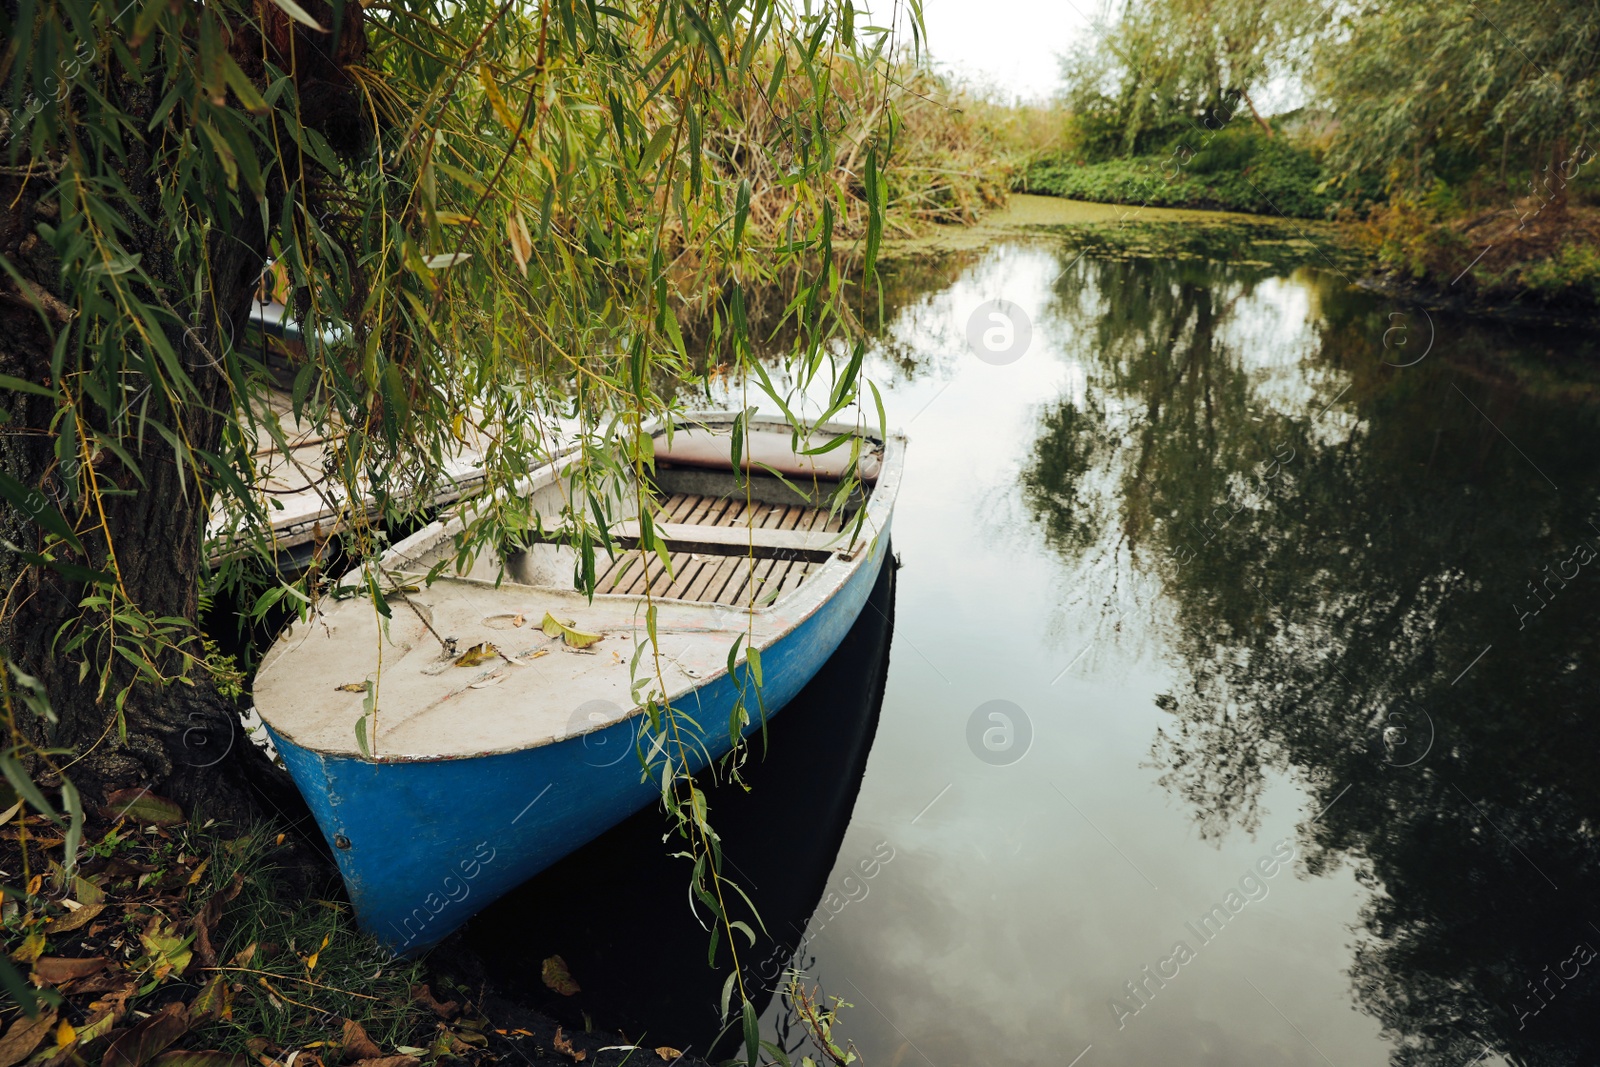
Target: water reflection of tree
column 1343, row 600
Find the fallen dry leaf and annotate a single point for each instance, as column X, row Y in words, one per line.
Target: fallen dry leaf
column 357, row 1045
column 114, row 1004
column 667, row 1052
column 564, row 1047
column 144, row 807
column 208, row 918
column 24, row 1036
column 262, row 1050
column 75, row 919
column 97, row 1027
column 481, row 653
column 214, row 1001
column 390, row 1061
column 519, row 620
column 140, row 1044
column 554, row 973
column 104, row 982
column 58, row 969
column 351, row 687
column 200, row 1058
column 424, row 996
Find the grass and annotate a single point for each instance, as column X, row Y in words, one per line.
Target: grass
column 1227, row 171
column 299, row 967
column 173, row 937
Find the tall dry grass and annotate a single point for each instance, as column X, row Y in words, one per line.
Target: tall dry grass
column 953, row 153
column 949, row 151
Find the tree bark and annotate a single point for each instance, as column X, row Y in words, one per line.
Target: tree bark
column 1559, row 178
column 1255, row 114
column 183, row 740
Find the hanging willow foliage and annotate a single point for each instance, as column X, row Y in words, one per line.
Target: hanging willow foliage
column 485, row 218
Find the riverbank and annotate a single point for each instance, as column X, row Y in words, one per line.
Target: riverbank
column 1535, row 267
column 183, row 945
column 1121, row 231
column 1218, row 172
column 1528, row 261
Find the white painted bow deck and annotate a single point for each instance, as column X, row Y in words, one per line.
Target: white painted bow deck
column 748, row 557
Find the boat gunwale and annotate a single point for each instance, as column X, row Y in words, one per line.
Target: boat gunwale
column 819, row 587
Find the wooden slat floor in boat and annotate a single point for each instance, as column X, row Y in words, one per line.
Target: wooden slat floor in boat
column 735, row 580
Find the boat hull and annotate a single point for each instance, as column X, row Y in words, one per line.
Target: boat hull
column 425, row 844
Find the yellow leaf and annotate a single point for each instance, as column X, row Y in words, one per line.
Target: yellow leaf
column 502, row 110
column 311, row 960
column 351, row 687
column 167, row 952
column 194, row 879
column 65, row 1034
column 554, row 627
column 667, row 1052
column 31, row 948
column 477, row 654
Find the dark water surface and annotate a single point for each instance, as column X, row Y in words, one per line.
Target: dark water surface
column 1240, row 707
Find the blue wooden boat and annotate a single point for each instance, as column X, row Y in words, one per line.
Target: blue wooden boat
column 488, row 768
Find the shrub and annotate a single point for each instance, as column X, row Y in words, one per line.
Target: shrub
column 1231, row 171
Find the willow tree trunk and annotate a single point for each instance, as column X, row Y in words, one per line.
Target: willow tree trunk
column 1266, row 127
column 180, row 739
column 1562, row 171
column 183, row 740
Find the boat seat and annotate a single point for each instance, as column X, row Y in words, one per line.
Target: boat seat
column 812, row 545
column 706, row 450
column 709, row 544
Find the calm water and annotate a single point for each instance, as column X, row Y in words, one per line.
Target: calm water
column 1239, row 709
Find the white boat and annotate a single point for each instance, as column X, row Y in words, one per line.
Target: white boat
column 499, row 748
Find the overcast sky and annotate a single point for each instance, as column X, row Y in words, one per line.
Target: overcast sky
column 1009, row 44
column 1013, row 45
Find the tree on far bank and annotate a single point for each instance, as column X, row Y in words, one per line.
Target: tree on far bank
column 1446, row 89
column 1159, row 66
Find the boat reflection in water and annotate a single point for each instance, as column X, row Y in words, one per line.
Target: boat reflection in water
column 616, row 910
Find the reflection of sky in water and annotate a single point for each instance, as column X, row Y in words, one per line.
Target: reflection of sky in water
column 1023, row 898
column 1010, row 918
